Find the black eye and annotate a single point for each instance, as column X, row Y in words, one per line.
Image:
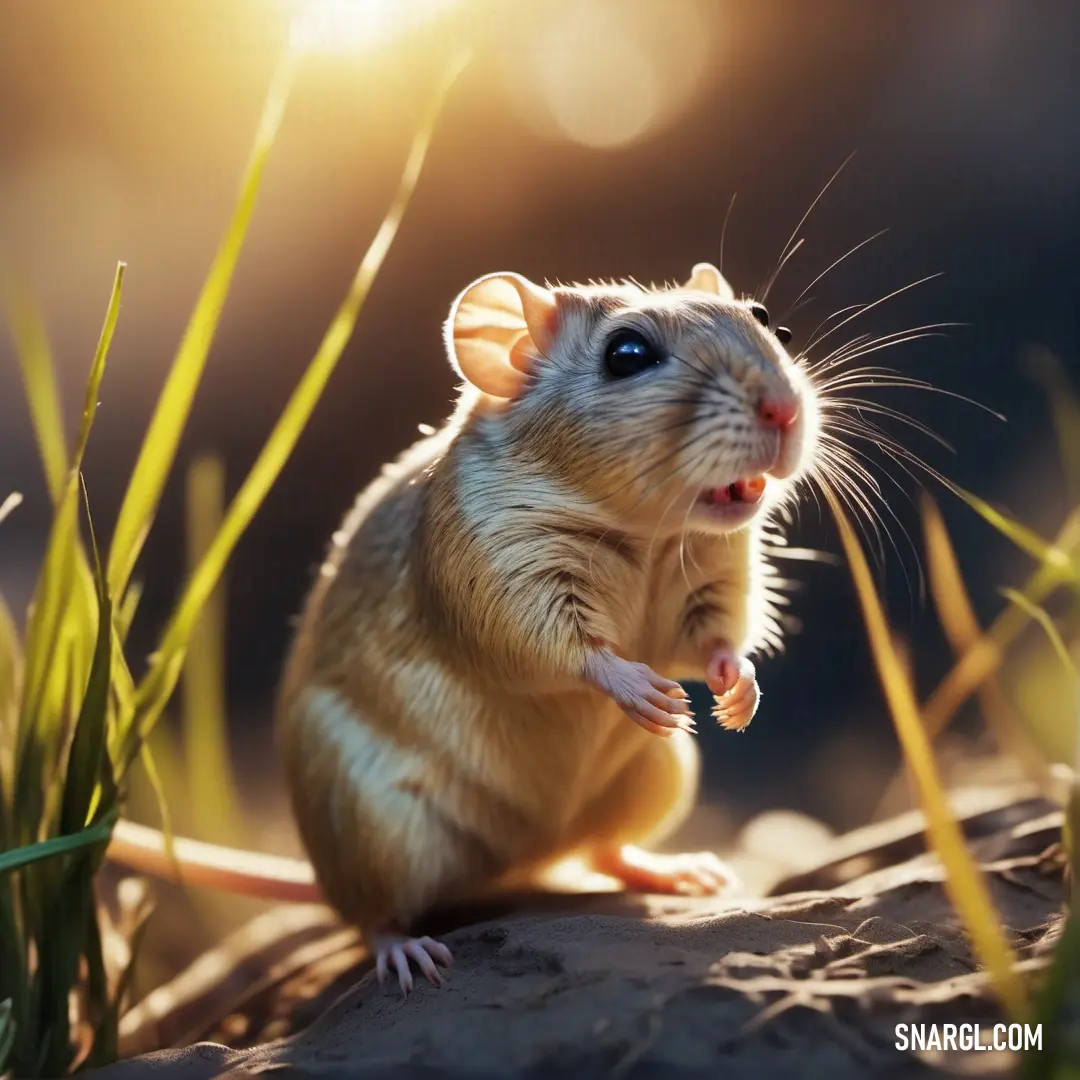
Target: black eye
column 760, row 312
column 783, row 335
column 629, row 353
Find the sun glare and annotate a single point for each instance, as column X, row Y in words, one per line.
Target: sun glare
column 607, row 73
column 346, row 26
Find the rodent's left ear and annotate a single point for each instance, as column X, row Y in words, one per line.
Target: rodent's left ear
column 706, row 278
column 497, row 329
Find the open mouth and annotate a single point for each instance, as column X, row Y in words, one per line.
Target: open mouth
column 742, row 491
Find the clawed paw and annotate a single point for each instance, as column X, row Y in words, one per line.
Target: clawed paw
column 658, row 704
column 393, row 950
column 733, row 680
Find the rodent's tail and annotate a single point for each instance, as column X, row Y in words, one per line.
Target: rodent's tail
column 208, row 866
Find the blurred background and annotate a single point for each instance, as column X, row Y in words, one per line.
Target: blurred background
column 589, row 138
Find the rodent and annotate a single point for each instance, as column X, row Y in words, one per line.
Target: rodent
column 484, row 677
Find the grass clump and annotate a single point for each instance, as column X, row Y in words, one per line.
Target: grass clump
column 73, row 719
column 1042, row 731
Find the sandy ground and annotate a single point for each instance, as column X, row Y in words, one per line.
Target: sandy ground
column 807, row 983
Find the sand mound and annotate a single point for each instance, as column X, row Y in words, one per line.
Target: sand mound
column 810, row 983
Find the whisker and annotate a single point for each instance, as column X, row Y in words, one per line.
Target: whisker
column 869, row 307
column 828, row 318
column 832, row 266
column 846, row 456
column 836, row 495
column 841, row 454
column 681, row 448
column 897, row 337
column 779, row 268
column 706, row 373
column 802, row 221
column 860, row 405
column 723, row 231
column 850, row 456
column 682, row 541
column 860, row 428
column 866, row 348
column 856, row 459
column 796, row 308
column 656, row 530
column 902, row 382
column 873, row 434
column 862, row 510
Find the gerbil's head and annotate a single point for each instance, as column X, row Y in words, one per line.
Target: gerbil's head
column 674, row 407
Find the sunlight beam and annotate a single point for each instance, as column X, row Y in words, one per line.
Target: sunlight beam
column 355, row 26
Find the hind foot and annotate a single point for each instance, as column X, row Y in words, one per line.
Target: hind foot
column 393, row 949
column 698, row 873
column 733, row 680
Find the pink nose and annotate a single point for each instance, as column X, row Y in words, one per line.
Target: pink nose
column 778, row 412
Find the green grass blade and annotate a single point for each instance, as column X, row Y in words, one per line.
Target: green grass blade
column 104, row 1050
column 39, row 378
column 962, row 629
column 63, row 539
column 11, row 669
column 7, row 1032
column 161, row 679
column 48, row 669
column 97, row 833
column 1042, row 617
column 206, row 747
column 1065, row 408
column 1052, row 556
column 60, row 951
column 122, row 697
column 984, row 656
column 1051, row 1007
column 964, row 883
column 45, row 675
column 103, row 1046
column 14, row 983
column 149, row 764
column 125, row 613
column 89, row 770
column 174, row 404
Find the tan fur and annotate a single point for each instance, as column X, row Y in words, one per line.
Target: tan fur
column 437, row 732
column 439, row 717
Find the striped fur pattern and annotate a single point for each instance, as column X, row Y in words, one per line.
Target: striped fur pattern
column 437, row 733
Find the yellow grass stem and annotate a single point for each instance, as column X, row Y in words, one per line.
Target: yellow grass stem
column 39, row 376
column 1042, row 617
column 963, row 880
column 1065, row 409
column 206, row 747
column 953, row 605
column 1053, row 556
column 983, row 658
column 164, row 670
column 174, row 403
column 62, row 628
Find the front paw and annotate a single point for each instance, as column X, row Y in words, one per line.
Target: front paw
column 659, row 705
column 733, row 680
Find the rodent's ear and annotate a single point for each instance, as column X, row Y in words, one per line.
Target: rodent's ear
column 706, row 278
column 497, row 329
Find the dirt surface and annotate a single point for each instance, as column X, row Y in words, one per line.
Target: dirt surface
column 808, row 983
